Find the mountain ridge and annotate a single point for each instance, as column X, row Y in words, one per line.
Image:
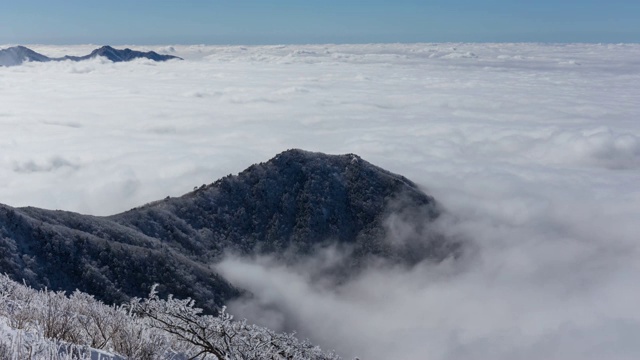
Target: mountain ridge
column 292, row 204
column 17, row 55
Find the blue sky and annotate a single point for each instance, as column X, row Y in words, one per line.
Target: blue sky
column 312, row 21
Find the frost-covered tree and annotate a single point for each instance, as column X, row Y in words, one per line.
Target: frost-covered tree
column 221, row 336
column 41, row 324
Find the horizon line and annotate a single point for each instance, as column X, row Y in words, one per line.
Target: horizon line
column 327, row 43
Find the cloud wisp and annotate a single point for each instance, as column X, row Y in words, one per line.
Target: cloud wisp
column 548, row 288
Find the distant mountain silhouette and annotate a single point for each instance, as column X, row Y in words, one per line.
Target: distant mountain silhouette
column 116, row 55
column 19, row 54
column 287, row 206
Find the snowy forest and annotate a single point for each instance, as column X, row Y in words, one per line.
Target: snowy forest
column 42, row 324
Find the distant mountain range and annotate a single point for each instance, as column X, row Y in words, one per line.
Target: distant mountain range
column 19, row 54
column 288, row 207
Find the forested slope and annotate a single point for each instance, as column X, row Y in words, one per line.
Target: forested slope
column 288, row 207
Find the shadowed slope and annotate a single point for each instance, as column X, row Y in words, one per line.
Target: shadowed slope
column 67, row 251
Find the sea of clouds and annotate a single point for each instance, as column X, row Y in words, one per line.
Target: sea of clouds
column 533, row 150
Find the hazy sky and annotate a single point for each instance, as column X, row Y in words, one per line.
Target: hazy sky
column 335, row 21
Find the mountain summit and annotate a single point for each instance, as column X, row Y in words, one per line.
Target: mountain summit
column 297, row 200
column 289, row 207
column 19, row 54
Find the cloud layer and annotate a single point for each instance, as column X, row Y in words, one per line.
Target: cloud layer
column 533, row 149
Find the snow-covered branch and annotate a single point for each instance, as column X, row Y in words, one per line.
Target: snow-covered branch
column 49, row 325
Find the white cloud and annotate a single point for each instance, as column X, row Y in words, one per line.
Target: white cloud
column 533, row 149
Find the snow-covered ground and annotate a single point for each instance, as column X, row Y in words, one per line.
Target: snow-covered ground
column 23, row 344
column 534, row 149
